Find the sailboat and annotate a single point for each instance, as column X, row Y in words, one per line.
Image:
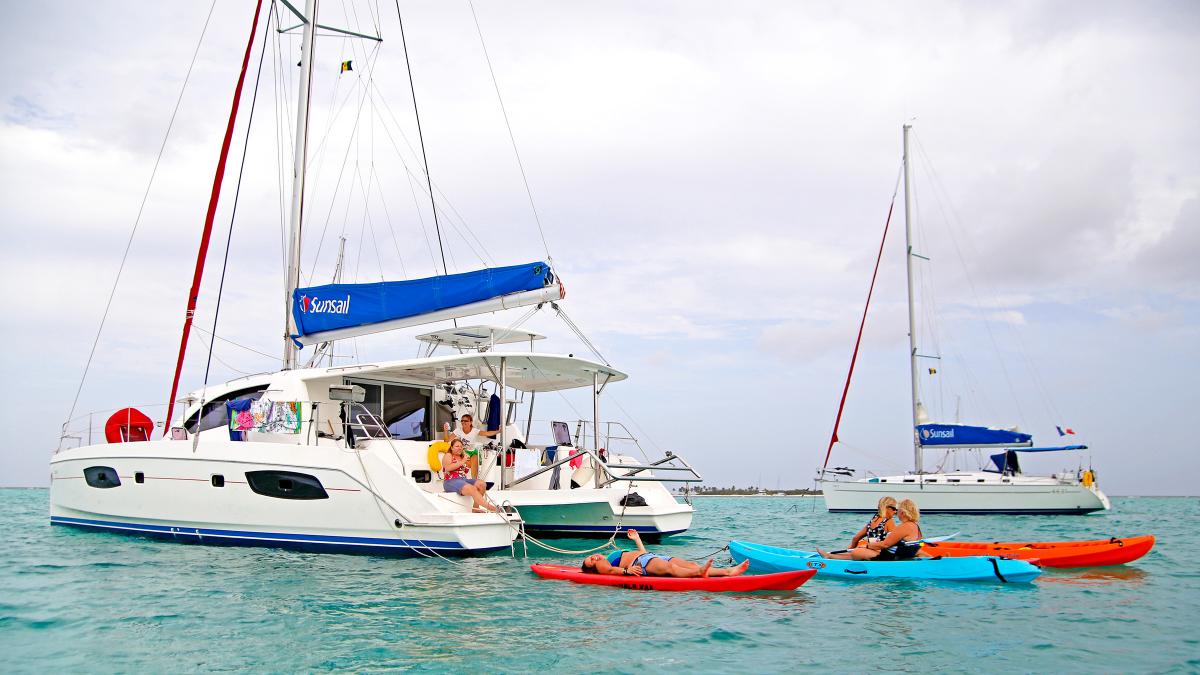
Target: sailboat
column 342, row 457
column 1000, row 487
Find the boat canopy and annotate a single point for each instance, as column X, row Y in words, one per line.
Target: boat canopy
column 475, row 337
column 336, row 311
column 965, row 436
column 1006, row 462
column 524, row 371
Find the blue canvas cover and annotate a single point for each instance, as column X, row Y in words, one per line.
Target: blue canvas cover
column 317, row 309
column 962, row 435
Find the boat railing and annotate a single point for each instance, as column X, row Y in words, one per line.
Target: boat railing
column 607, row 468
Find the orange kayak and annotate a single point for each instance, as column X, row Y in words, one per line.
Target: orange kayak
column 1095, row 553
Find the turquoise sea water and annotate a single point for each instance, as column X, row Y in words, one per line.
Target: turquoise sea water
column 80, row 601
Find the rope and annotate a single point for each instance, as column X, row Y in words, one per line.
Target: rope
column 511, row 137
column 421, row 135
column 137, row 220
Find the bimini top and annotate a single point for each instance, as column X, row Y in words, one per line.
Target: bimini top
column 476, row 337
column 523, row 370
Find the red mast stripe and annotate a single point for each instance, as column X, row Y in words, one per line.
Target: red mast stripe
column 834, row 438
column 194, row 293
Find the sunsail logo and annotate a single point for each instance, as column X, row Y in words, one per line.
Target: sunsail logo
column 937, row 433
column 315, row 305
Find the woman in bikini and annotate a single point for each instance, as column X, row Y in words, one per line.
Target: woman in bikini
column 644, row 563
column 879, row 527
column 903, row 543
column 456, row 471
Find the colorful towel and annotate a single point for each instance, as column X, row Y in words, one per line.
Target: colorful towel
column 272, row 417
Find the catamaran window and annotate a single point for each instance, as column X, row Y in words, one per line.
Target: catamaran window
column 215, row 414
column 102, row 477
column 403, row 410
column 411, row 425
column 286, row 485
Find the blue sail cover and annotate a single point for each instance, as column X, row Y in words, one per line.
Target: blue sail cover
column 964, row 436
column 318, row 309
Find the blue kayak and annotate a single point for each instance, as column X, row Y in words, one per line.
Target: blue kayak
column 767, row 559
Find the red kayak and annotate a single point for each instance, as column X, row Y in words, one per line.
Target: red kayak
column 1095, row 553
column 782, row 581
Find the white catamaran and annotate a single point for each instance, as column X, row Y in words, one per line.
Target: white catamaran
column 341, row 458
column 1001, row 487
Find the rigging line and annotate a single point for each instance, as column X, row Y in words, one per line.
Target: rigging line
column 440, row 193
column 562, row 314
column 833, row 438
column 387, row 214
column 141, row 209
column 937, row 182
column 233, row 211
column 511, row 137
column 235, row 344
column 337, row 188
column 277, row 81
column 370, row 223
column 421, row 136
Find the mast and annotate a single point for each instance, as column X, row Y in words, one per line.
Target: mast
column 912, row 323
column 307, row 44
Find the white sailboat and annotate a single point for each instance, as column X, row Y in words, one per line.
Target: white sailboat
column 1000, row 488
column 337, row 458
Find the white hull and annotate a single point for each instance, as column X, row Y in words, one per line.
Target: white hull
column 379, row 511
column 967, row 493
column 588, row 511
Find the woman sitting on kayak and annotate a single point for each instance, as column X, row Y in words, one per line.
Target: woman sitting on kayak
column 903, row 543
column 642, row 562
column 878, row 527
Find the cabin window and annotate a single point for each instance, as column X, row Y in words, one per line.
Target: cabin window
column 978, row 480
column 286, row 485
column 218, row 480
column 909, row 480
column 102, row 477
column 422, row 475
column 953, row 480
column 215, row 414
column 882, row 480
column 139, row 477
column 404, row 410
column 930, row 480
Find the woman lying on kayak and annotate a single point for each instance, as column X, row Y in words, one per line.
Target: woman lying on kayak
column 642, row 562
column 902, row 543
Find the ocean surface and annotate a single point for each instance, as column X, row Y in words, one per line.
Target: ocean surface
column 73, row 601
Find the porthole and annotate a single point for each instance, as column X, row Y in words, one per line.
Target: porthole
column 102, row 477
column 422, row 475
column 218, row 480
column 139, row 477
column 286, row 485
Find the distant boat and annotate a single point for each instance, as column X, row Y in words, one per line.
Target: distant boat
column 1001, row 487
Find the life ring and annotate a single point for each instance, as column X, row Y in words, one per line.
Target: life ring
column 436, row 448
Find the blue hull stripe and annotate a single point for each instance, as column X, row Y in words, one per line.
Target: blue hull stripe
column 990, row 512
column 277, row 539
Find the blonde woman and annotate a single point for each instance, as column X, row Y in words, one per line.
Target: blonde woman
column 902, row 543
column 880, row 526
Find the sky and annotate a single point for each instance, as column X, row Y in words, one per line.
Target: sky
column 712, row 184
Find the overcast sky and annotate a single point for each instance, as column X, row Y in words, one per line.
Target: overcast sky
column 712, row 179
